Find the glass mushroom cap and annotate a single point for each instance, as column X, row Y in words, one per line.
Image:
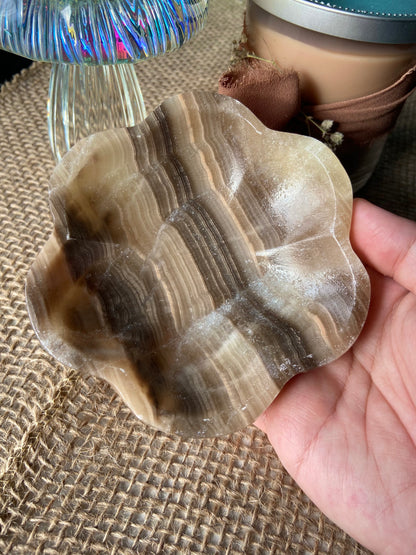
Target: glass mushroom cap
column 199, row 260
column 98, row 31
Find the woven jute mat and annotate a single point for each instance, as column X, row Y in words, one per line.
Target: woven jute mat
column 78, row 472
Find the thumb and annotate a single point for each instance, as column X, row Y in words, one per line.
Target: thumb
column 385, row 242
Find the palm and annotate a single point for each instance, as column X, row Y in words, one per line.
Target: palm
column 347, row 431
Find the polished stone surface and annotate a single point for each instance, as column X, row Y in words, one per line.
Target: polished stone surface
column 198, row 262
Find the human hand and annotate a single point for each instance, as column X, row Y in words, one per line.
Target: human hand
column 346, row 432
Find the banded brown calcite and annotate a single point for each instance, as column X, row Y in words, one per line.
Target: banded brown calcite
column 198, row 262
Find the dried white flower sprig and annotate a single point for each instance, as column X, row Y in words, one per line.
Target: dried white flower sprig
column 332, row 139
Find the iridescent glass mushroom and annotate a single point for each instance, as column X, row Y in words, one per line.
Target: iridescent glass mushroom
column 93, row 45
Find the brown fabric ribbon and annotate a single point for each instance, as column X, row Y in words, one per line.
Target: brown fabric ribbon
column 363, row 119
column 274, row 97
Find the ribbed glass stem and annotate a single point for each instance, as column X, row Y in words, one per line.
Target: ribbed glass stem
column 86, row 99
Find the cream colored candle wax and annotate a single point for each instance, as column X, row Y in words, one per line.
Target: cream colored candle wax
column 331, row 68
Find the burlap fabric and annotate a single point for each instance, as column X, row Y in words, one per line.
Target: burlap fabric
column 79, row 473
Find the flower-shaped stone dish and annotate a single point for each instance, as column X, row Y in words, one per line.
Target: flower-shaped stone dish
column 198, row 262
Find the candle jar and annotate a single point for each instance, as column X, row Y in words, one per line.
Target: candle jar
column 343, row 54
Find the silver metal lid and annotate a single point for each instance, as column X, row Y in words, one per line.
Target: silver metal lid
column 380, row 21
